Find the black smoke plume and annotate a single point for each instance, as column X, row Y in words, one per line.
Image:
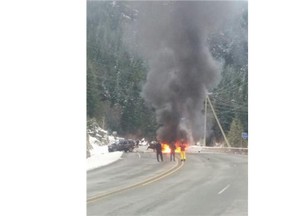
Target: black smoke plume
column 173, row 38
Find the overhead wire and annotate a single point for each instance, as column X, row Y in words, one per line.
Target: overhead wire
column 230, row 104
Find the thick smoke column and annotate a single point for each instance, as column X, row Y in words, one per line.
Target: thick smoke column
column 173, row 37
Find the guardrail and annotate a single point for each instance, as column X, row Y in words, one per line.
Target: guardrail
column 231, row 150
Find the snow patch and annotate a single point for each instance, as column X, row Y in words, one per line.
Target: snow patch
column 99, row 160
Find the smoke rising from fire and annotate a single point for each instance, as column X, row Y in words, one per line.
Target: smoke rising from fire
column 172, row 36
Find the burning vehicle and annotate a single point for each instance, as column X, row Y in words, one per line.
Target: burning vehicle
column 166, row 146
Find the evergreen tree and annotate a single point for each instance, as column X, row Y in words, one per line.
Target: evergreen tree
column 230, row 98
column 114, row 76
column 235, row 133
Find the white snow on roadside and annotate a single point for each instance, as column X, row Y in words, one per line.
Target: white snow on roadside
column 99, row 160
column 98, row 150
column 100, row 156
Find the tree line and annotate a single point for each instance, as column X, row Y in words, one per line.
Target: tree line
column 115, row 77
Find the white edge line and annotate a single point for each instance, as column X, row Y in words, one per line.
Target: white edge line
column 224, row 189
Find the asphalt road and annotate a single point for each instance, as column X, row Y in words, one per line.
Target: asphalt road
column 206, row 184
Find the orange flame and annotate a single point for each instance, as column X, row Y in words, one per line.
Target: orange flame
column 166, row 148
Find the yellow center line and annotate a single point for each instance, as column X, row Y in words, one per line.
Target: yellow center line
column 139, row 184
column 167, row 174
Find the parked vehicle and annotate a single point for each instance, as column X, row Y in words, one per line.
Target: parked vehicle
column 113, row 147
column 122, row 145
column 126, row 145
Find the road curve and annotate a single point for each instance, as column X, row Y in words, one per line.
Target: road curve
column 207, row 184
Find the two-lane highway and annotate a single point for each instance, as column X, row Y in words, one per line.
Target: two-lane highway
column 206, row 184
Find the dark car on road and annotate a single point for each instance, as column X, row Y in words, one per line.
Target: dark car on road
column 122, row 145
column 113, row 147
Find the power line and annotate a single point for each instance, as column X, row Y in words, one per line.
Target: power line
column 229, row 104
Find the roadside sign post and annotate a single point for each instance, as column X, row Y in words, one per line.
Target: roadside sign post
column 245, row 135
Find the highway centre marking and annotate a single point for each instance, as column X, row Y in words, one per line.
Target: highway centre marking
column 139, row 184
column 169, row 173
column 224, row 189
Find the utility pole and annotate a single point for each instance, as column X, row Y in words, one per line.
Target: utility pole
column 226, row 140
column 205, row 120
